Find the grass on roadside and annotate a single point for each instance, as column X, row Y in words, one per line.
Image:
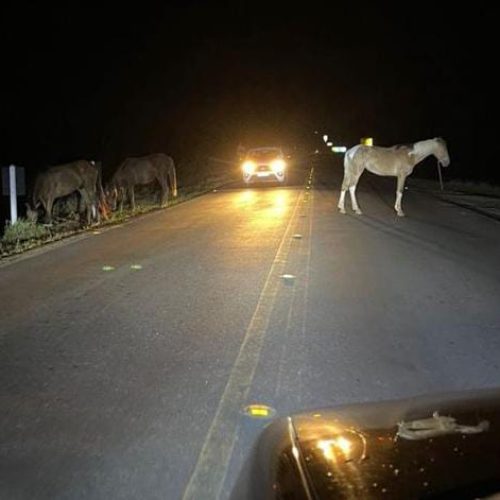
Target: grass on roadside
column 24, row 230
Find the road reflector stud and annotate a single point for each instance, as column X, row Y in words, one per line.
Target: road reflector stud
column 135, row 266
column 108, row 268
column 288, row 277
column 297, row 236
column 96, row 232
column 259, row 411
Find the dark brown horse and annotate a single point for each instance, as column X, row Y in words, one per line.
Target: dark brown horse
column 80, row 176
column 133, row 172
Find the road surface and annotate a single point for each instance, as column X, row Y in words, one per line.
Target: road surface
column 130, row 381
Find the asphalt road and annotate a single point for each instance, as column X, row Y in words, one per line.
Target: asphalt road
column 132, row 382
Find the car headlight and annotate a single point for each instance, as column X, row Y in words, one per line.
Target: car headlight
column 248, row 167
column 278, row 166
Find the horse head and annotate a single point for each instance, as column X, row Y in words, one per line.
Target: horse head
column 111, row 195
column 441, row 152
column 31, row 213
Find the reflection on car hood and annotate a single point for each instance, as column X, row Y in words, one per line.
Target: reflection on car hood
column 444, row 446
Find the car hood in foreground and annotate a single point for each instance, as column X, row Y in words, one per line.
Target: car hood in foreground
column 443, row 446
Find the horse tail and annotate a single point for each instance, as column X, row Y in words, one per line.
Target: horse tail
column 102, row 202
column 35, row 197
column 172, row 177
column 100, row 189
column 347, row 159
column 348, row 167
column 354, row 164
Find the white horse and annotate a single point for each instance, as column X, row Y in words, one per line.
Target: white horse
column 397, row 161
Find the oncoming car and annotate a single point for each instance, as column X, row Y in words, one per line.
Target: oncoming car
column 264, row 164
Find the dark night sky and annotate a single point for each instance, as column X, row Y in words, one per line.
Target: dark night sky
column 195, row 78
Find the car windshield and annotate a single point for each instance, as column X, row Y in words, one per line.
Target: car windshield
column 263, row 154
column 215, row 215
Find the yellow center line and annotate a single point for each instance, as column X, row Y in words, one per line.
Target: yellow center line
column 208, row 476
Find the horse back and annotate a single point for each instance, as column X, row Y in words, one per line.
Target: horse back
column 143, row 170
column 378, row 160
column 62, row 180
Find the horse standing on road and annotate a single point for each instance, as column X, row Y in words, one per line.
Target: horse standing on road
column 396, row 161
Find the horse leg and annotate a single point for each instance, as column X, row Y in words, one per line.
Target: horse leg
column 131, row 197
column 163, row 192
column 92, row 195
column 341, row 205
column 120, row 197
column 345, row 185
column 355, row 206
column 399, row 195
column 85, row 201
column 47, row 205
column 351, row 184
column 88, row 208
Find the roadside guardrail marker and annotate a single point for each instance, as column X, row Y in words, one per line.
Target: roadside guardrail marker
column 135, row 266
column 108, row 268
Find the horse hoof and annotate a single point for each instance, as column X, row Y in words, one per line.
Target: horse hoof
column 401, row 214
column 342, row 211
column 358, row 212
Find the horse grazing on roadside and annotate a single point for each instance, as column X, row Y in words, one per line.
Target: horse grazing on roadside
column 141, row 171
column 396, row 161
column 80, row 176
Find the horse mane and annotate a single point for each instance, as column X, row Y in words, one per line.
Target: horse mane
column 410, row 145
column 402, row 147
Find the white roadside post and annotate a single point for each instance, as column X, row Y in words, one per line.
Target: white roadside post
column 13, row 194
